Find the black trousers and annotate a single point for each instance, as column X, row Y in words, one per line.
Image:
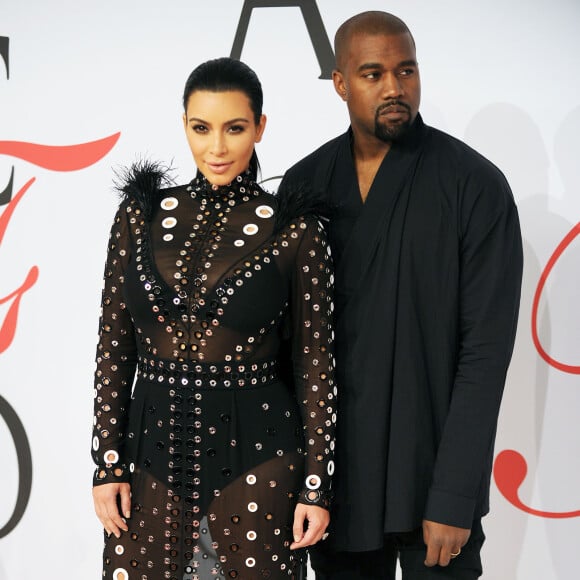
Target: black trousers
column 409, row 549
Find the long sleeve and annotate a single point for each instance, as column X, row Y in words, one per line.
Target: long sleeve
column 313, row 359
column 490, row 264
column 115, row 360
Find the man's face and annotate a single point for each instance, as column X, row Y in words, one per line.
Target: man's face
column 379, row 80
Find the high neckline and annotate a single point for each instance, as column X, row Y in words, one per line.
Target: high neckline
column 242, row 188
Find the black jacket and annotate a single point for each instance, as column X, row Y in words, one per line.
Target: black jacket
column 428, row 275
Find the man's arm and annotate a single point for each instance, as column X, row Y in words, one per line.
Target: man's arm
column 490, row 280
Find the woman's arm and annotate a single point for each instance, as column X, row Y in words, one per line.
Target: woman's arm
column 313, row 365
column 115, row 368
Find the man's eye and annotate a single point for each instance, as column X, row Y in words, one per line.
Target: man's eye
column 372, row 75
column 407, row 72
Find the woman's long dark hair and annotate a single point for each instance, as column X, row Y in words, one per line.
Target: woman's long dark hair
column 226, row 74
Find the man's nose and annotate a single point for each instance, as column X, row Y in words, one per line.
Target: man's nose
column 392, row 86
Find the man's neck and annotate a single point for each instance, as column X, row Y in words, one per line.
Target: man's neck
column 368, row 154
column 367, row 148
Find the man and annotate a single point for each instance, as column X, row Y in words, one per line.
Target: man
column 428, row 256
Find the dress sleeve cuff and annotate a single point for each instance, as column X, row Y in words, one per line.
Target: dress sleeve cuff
column 318, row 497
column 119, row 473
column 450, row 509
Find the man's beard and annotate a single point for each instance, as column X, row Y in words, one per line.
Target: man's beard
column 391, row 133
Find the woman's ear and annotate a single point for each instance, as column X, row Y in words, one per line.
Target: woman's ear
column 260, row 128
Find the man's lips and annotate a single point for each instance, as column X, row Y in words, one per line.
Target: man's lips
column 393, row 110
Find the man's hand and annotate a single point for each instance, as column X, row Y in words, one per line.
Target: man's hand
column 443, row 542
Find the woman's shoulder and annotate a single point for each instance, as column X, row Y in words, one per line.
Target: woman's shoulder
column 143, row 183
column 299, row 203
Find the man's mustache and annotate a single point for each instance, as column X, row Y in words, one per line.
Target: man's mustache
column 392, row 103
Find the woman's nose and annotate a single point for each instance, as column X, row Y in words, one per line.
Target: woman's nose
column 218, row 146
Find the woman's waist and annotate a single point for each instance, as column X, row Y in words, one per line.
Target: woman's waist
column 195, row 374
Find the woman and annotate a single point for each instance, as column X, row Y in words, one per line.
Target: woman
column 219, row 462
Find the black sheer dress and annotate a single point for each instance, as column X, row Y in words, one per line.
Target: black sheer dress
column 203, row 288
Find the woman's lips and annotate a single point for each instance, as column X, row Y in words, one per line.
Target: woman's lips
column 219, row 168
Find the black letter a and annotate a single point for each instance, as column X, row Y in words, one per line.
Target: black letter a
column 313, row 22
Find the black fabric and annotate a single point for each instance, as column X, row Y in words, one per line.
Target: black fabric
column 427, row 293
column 409, row 549
column 201, row 290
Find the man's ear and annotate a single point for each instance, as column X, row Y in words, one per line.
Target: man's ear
column 339, row 84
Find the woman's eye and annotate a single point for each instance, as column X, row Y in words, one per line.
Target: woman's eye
column 199, row 128
column 236, row 129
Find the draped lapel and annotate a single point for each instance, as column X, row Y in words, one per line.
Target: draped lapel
column 392, row 181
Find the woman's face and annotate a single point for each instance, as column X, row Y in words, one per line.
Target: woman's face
column 221, row 131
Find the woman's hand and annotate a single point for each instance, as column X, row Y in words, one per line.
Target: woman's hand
column 105, row 500
column 318, row 519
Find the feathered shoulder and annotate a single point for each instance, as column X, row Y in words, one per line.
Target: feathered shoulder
column 141, row 182
column 299, row 200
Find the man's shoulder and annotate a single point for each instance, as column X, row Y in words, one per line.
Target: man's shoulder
column 474, row 175
column 453, row 151
column 325, row 151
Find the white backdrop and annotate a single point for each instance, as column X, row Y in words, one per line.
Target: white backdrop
column 501, row 75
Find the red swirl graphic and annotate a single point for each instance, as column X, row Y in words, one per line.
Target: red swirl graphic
column 56, row 158
column 510, row 467
column 510, row 470
column 7, row 214
column 8, row 328
column 60, row 157
column 566, row 368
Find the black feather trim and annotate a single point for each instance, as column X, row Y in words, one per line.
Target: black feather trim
column 299, row 199
column 141, row 182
